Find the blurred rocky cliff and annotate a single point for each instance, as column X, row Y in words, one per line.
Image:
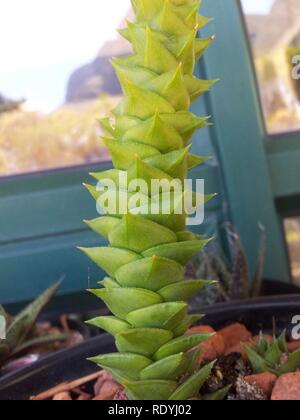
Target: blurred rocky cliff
column 97, row 77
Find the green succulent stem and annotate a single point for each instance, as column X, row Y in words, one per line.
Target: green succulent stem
column 149, row 138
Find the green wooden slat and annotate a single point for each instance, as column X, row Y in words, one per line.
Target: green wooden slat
column 44, row 213
column 284, row 163
column 285, row 173
column 50, row 211
column 30, row 267
column 39, row 242
column 44, row 204
column 283, row 142
column 57, row 178
column 238, row 135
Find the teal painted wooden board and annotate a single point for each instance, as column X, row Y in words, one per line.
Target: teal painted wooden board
column 59, row 209
column 44, row 204
column 41, row 226
column 43, row 213
column 28, row 268
column 239, row 138
column 284, row 164
column 285, row 173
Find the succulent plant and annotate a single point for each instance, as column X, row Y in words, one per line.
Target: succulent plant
column 273, row 356
column 232, row 275
column 19, row 335
column 149, row 138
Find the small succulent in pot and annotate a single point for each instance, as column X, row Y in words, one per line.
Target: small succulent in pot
column 232, row 274
column 273, row 356
column 20, row 335
column 149, row 138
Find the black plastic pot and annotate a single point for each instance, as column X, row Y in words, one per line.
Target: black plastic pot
column 68, row 365
column 278, row 288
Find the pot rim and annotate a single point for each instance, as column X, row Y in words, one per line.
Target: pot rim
column 88, row 348
column 281, row 301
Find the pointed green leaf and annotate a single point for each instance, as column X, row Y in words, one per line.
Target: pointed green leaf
column 108, row 283
column 107, row 126
column 185, row 236
column 203, row 20
column 124, row 123
column 201, row 45
column 172, row 221
column 262, row 344
column 191, row 388
column 135, row 74
column 191, row 13
column 282, row 342
column 183, row 291
column 194, row 356
column 258, row 363
column 122, row 301
column 142, row 103
column 112, row 174
column 138, row 234
column 150, row 273
column 173, row 87
column 186, row 323
column 181, row 252
column 39, row 342
column 292, row 364
column 144, row 341
column 197, row 87
column 123, row 154
column 165, row 315
column 141, row 170
column 154, row 51
column 127, row 363
column 170, row 368
column 185, row 123
column 187, row 53
column 103, row 225
column 168, row 21
column 110, row 259
column 169, row 208
column 173, row 163
column 150, row 390
column 194, row 161
column 92, row 190
column 117, row 203
column 110, row 324
column 181, row 344
column 218, row 395
column 145, row 9
column 156, row 133
column 22, row 325
column 273, row 354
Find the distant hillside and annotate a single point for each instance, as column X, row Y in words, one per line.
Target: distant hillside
column 92, row 79
column 8, row 105
column 89, row 81
column 30, row 141
column 276, row 29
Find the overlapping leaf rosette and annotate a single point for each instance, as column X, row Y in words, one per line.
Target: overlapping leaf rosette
column 149, row 139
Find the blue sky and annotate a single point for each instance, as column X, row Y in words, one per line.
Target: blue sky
column 42, row 41
column 257, row 6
